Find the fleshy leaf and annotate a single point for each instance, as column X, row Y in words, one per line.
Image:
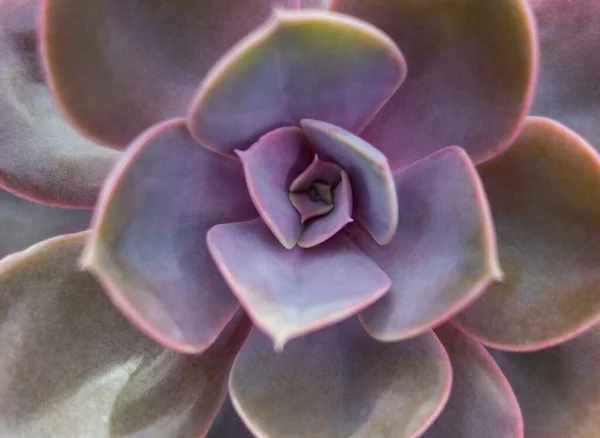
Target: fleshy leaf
column 228, row 424
column 270, row 167
column 567, row 89
column 322, row 228
column 472, row 69
column 375, row 203
column 142, row 58
column 545, row 198
column 307, row 208
column 340, row 382
column 318, row 170
column 444, row 252
column 299, row 64
column 73, row 366
column 41, row 157
column 482, row 403
column 148, row 243
column 291, row 292
column 558, row 389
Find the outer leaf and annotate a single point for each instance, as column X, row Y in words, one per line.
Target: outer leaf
column 291, row 292
column 41, row 157
column 444, row 252
column 568, row 89
column 73, row 366
column 375, row 204
column 297, row 65
column 148, row 241
column 558, row 389
column 270, row 167
column 472, row 68
column 339, row 383
column 142, row 58
column 545, row 198
column 482, row 403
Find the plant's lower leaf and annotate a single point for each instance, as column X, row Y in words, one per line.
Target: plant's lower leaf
column 444, row 252
column 291, row 292
column 544, row 193
column 148, row 244
column 482, row 403
column 339, row 383
column 558, row 389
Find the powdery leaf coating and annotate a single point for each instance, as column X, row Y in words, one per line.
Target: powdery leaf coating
column 338, row 383
column 147, row 245
column 558, row 389
column 41, row 157
column 444, row 252
column 72, row 365
column 482, row 403
column 375, row 204
column 301, row 64
column 544, row 192
column 568, row 90
column 472, row 66
column 291, row 292
column 143, row 58
column 270, row 166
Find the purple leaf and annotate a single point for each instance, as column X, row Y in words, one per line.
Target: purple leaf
column 339, row 382
column 444, row 252
column 270, row 167
column 318, row 170
column 375, row 204
column 322, row 228
column 297, row 65
column 567, row 90
column 472, row 67
column 544, row 193
column 308, row 208
column 148, row 242
column 41, row 157
column 291, row 292
column 482, row 403
column 138, row 58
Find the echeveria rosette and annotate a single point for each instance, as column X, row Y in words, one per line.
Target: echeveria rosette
column 313, row 181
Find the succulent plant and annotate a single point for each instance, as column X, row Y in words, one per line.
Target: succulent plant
column 345, row 219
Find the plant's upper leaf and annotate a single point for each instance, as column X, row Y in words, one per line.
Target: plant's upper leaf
column 118, row 67
column 270, row 167
column 41, row 157
column 482, row 403
column 72, row 365
column 375, row 204
column 558, row 389
column 471, row 66
column 291, row 292
column 567, row 89
column 339, row 383
column 544, row 193
column 148, row 243
column 298, row 65
column 444, row 252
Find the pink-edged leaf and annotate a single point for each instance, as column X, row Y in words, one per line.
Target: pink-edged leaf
column 472, row 66
column 297, row 65
column 228, row 424
column 307, row 208
column 323, row 228
column 139, row 58
column 338, row 383
column 545, row 199
column 558, row 389
column 318, row 170
column 73, row 366
column 291, row 292
column 482, row 403
column 444, row 252
column 270, row 167
column 41, row 157
column 375, row 203
column 567, row 90
column 148, row 241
